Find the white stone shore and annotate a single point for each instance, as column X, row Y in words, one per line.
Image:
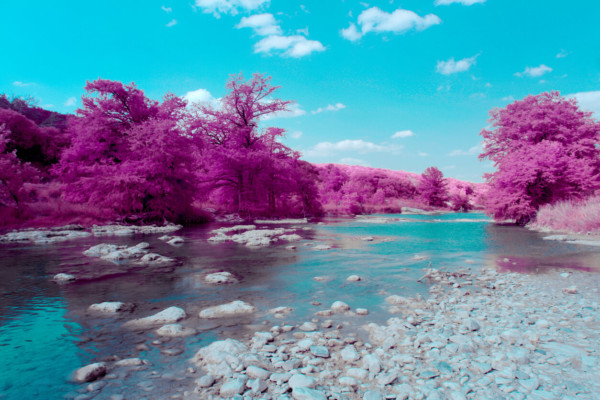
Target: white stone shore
column 479, row 335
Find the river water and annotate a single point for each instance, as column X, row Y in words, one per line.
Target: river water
column 46, row 331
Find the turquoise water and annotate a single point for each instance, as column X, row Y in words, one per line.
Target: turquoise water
column 46, row 331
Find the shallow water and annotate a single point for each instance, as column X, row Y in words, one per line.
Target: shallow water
column 46, row 331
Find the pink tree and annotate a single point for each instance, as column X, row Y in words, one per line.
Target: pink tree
column 433, row 187
column 545, row 149
column 128, row 153
column 13, row 176
column 245, row 167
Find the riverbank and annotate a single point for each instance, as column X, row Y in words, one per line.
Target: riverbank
column 479, row 334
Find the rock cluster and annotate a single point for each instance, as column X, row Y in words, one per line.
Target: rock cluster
column 70, row 232
column 478, row 335
column 252, row 237
column 116, row 254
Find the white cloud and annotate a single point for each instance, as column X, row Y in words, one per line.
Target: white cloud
column 294, row 110
column 293, row 46
column 562, row 54
column 354, row 161
column 375, row 19
column 23, row 84
column 335, row 107
column 402, row 134
column 351, row 33
column 71, row 102
column 463, row 2
column 173, row 22
column 508, row 98
column 232, row 7
column 296, row 134
column 359, row 146
column 201, row 97
column 475, row 150
column 589, row 101
column 452, row 67
column 534, row 72
column 166, row 9
column 262, row 24
column 422, row 154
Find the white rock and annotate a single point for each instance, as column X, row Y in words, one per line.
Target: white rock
column 255, row 372
column 220, row 278
column 281, row 310
column 63, row 278
column 347, row 381
column 155, row 259
column 234, row 308
column 257, row 385
column 220, row 358
column 397, row 300
column 308, row 327
column 175, row 330
column 166, row 316
column 233, row 387
column 175, row 240
column 322, row 247
column 357, row 373
column 303, row 393
column 90, row 372
column 349, row 353
column 130, row 362
column 353, row 278
column 205, row 381
column 570, row 290
column 511, row 335
column 373, row 395
column 372, row 363
column 301, row 380
column 100, row 250
column 339, row 307
column 110, row 307
column 362, row 311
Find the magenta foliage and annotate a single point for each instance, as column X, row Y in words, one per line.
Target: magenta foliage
column 14, row 174
column 545, row 150
column 128, row 154
column 359, row 190
column 433, row 187
column 35, row 144
column 245, row 167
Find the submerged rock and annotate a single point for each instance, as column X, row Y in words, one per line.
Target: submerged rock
column 234, row 308
column 175, row 330
column 166, row 316
column 111, row 307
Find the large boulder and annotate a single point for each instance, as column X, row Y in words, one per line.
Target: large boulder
column 90, row 372
column 220, row 358
column 234, row 308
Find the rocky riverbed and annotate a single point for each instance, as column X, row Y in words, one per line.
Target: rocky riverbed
column 479, row 334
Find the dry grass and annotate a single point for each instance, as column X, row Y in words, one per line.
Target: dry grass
column 571, row 216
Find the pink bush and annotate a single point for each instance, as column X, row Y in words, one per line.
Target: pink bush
column 570, row 216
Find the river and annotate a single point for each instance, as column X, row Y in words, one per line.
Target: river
column 46, row 330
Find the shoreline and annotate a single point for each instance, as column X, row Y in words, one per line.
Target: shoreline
column 479, row 334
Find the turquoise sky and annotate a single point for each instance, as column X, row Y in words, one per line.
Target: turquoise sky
column 424, row 71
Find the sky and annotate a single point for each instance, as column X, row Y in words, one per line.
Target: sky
column 401, row 85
